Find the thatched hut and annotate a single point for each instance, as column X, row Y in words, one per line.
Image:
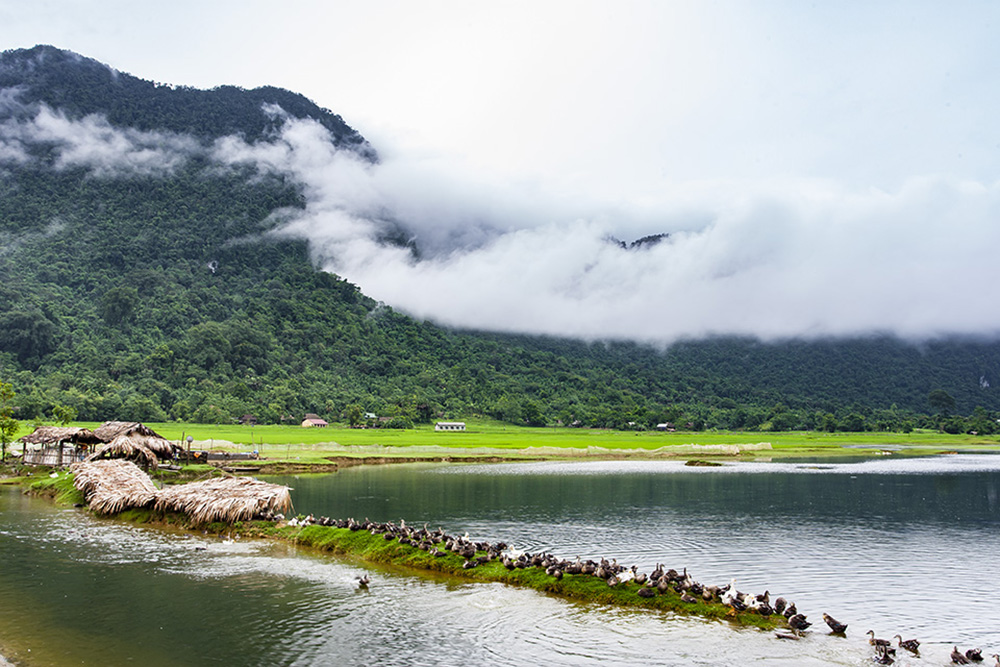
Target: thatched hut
column 226, row 499
column 133, row 448
column 113, row 486
column 58, row 445
column 137, row 434
column 110, row 430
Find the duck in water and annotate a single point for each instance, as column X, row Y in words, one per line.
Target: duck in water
column 882, row 656
column 911, row 645
column 974, row 654
column 799, row 622
column 836, row 626
column 879, row 643
column 958, row 657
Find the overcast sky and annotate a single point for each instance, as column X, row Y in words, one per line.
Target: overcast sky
column 822, row 168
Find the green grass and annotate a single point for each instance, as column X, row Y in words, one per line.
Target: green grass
column 60, row 488
column 503, row 436
column 294, row 443
column 311, row 446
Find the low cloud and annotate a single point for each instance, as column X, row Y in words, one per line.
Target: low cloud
column 93, row 143
column 775, row 259
column 771, row 259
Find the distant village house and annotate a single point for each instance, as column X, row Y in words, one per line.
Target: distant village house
column 314, row 421
column 449, row 426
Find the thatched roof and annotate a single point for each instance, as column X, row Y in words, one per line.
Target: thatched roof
column 225, row 499
column 113, row 486
column 51, row 435
column 163, row 449
column 127, row 447
column 108, row 431
column 138, row 434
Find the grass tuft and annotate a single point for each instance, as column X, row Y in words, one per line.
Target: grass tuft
column 60, row 488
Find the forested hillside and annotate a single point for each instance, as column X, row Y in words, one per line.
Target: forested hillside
column 148, row 284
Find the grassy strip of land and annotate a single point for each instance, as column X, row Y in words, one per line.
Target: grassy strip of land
column 364, row 546
column 374, row 548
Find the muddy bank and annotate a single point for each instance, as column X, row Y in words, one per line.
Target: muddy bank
column 380, row 455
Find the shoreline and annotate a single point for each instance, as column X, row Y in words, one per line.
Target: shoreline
column 335, row 457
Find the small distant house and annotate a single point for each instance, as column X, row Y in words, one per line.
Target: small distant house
column 449, row 426
column 371, row 416
column 665, row 426
column 314, row 421
column 248, row 420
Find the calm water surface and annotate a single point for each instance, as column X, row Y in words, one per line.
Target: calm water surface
column 894, row 545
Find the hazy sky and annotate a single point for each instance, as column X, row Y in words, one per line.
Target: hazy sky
column 822, row 168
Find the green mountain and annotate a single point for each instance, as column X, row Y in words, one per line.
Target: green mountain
column 143, row 282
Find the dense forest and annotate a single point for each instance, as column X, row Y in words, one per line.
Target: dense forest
column 156, row 294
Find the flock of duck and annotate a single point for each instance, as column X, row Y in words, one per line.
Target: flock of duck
column 658, row 582
column 885, row 651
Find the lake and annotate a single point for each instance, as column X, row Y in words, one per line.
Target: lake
column 896, row 545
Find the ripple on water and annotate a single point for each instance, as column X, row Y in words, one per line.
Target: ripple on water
column 871, row 564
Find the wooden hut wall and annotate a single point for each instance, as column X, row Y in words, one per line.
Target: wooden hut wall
column 53, row 456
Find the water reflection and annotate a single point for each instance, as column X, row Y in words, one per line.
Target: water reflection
column 884, row 544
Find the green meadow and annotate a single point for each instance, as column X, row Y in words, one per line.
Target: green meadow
column 491, row 438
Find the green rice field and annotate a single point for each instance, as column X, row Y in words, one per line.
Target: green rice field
column 489, row 438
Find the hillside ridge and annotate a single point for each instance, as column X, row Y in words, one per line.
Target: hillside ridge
column 150, row 284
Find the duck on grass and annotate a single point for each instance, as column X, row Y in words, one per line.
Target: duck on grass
column 602, row 581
